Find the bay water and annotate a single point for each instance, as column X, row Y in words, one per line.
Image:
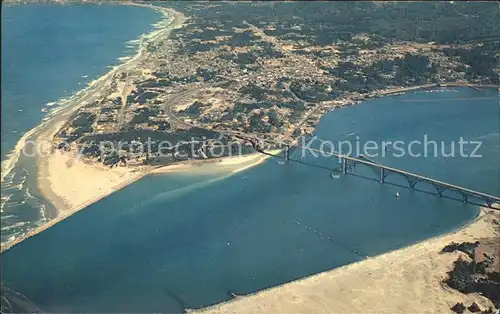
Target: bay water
column 175, row 241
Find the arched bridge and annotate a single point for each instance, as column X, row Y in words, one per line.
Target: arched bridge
column 348, row 163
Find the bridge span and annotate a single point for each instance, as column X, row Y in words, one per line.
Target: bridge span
column 348, row 163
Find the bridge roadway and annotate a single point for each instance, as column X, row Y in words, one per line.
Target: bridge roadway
column 412, row 178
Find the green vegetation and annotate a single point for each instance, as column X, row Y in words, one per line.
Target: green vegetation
column 324, row 22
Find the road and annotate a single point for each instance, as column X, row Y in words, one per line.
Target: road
column 127, row 89
column 175, row 101
column 178, row 98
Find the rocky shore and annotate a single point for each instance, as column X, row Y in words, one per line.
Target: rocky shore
column 478, row 272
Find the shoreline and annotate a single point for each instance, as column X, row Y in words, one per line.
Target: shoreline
column 232, row 164
column 309, row 293
column 397, row 90
column 57, row 117
column 66, row 206
column 66, row 209
column 81, row 97
column 414, row 280
column 102, row 186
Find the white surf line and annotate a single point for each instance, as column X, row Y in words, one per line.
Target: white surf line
column 5, row 200
column 78, row 100
column 13, row 157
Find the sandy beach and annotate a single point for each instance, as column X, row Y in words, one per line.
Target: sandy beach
column 66, row 183
column 71, row 184
column 408, row 280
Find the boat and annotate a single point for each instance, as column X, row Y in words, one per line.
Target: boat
column 397, row 194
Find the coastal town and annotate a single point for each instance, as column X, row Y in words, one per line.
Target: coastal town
column 214, row 77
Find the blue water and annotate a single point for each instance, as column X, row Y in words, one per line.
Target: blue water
column 48, row 48
column 169, row 242
column 49, row 52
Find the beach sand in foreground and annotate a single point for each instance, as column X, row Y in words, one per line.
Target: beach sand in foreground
column 408, row 280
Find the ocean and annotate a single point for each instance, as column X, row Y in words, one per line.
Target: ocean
column 175, row 241
column 49, row 52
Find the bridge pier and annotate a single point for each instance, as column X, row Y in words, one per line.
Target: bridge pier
column 411, row 182
column 465, row 197
column 344, row 166
column 383, row 174
column 286, row 153
column 439, row 189
column 489, row 202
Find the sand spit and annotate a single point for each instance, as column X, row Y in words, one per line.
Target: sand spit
column 408, row 280
column 71, row 184
column 74, row 184
column 232, row 164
